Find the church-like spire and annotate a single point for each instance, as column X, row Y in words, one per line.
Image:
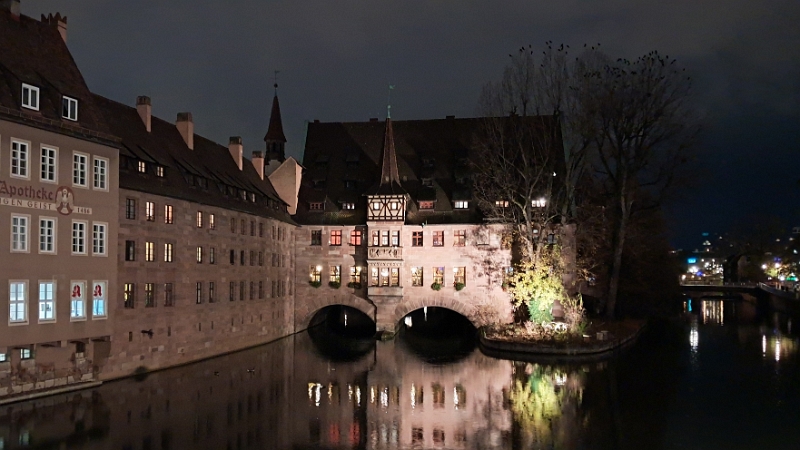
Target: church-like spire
column 389, row 173
column 275, row 138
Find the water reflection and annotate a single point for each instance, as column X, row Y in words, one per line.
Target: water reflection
column 300, row 393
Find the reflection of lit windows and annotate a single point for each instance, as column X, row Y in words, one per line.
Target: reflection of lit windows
column 438, row 437
column 460, row 437
column 459, row 396
column 416, row 395
column 438, row 395
column 417, row 436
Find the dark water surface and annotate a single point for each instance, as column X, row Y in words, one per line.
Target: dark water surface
column 721, row 377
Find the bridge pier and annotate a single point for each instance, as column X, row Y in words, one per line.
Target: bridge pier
column 385, row 325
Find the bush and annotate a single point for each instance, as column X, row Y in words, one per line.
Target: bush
column 436, row 286
column 334, row 284
column 315, row 284
column 354, row 285
column 459, row 286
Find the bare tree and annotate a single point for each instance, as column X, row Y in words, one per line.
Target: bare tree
column 641, row 128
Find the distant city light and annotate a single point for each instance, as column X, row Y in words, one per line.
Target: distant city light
column 691, row 260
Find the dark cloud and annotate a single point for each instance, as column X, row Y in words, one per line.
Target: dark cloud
column 216, row 59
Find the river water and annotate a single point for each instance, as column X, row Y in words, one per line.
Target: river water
column 721, row 376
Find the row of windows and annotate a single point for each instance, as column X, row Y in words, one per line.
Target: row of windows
column 376, row 205
column 204, row 292
column 201, row 219
column 19, row 299
column 389, row 238
column 31, row 97
column 202, row 254
column 386, row 276
column 21, row 234
column 20, row 166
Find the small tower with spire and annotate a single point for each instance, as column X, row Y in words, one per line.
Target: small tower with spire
column 275, row 139
column 387, row 198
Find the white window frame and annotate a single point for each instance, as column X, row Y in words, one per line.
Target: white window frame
column 48, row 162
column 53, row 235
column 24, row 239
column 23, row 159
column 30, row 101
column 149, row 251
column 76, row 176
column 79, row 241
column 141, row 167
column 47, row 301
column 80, row 302
column 72, row 108
column 102, row 227
column 101, row 301
column 168, row 248
column 150, row 211
column 100, row 173
column 22, row 305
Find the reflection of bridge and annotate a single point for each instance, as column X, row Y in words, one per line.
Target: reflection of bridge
column 739, row 288
column 777, row 299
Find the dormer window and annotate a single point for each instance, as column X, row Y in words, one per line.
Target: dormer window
column 501, row 203
column 142, row 167
column 30, row 97
column 160, row 171
column 69, row 108
column 243, row 194
column 426, row 205
column 539, row 203
column 461, row 204
column 315, row 206
column 349, row 206
column 252, row 197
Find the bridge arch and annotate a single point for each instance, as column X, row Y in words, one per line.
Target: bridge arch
column 308, row 308
column 470, row 311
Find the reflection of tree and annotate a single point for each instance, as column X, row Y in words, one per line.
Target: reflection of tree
column 546, row 406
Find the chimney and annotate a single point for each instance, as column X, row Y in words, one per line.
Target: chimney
column 145, row 110
column 258, row 163
column 236, row 148
column 11, row 6
column 58, row 22
column 186, row 128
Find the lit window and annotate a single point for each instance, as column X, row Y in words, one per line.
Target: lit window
column 459, row 238
column 461, row 204
column 501, row 203
column 149, row 251
column 142, row 167
column 416, row 238
column 30, row 97
column 376, row 206
column 99, row 299
column 99, row 239
column 17, row 300
column 355, row 237
column 199, row 255
column 19, row 159
column 25, row 353
column 438, row 275
column 49, row 166
column 159, row 171
column 47, row 236
column 376, row 237
column 315, row 274
column 416, row 276
column 539, row 203
column 199, row 219
column 128, row 295
column 315, row 206
column 395, row 238
column 19, row 233
column 336, row 237
column 101, row 173
column 149, row 295
column 426, row 205
column 459, row 275
column 168, row 214
column 150, row 211
column 47, row 305
column 335, row 274
column 355, row 275
column 69, row 108
column 198, row 292
column 78, row 237
column 77, row 303
column 212, row 224
column 167, row 252
column 438, row 238
column 349, row 206
column 79, row 168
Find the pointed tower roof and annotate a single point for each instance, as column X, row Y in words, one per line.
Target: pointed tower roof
column 275, row 130
column 390, row 177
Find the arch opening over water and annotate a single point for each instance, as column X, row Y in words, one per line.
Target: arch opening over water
column 342, row 333
column 437, row 334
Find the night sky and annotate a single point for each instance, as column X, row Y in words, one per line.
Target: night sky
column 216, row 59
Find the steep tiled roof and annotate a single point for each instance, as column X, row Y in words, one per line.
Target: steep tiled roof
column 206, row 174
column 34, row 53
column 434, row 158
